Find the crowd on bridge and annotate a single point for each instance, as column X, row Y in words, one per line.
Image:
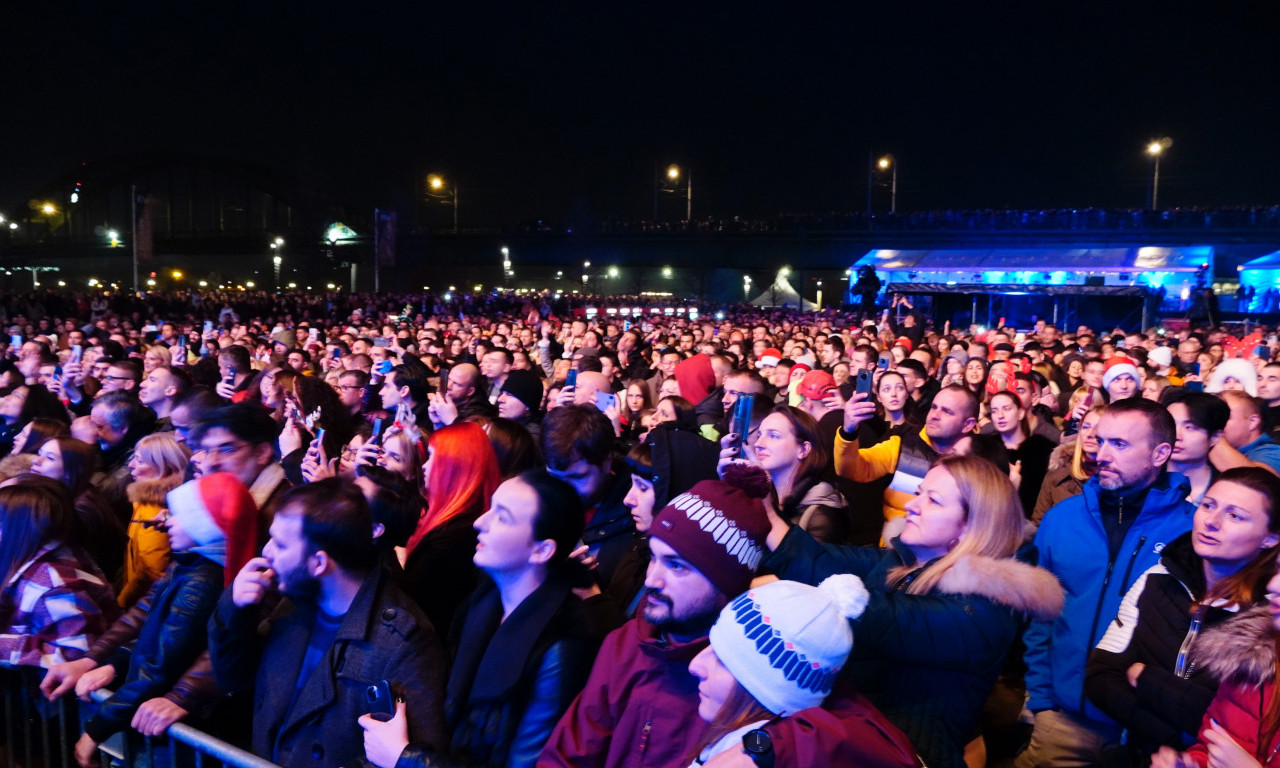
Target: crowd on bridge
column 394, row 529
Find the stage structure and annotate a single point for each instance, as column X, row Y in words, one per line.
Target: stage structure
column 1067, row 286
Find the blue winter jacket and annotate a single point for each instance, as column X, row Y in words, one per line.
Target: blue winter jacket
column 1072, row 544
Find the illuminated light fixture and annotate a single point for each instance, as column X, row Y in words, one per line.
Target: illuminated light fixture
column 338, row 233
column 204, row 284
column 48, row 209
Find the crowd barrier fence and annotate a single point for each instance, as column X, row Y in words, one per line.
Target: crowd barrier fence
column 42, row 734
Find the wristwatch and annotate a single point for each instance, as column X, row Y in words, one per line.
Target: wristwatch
column 759, row 747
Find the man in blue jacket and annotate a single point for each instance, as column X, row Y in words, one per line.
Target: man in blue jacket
column 1097, row 544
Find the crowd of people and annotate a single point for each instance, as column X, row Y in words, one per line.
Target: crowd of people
column 406, row 531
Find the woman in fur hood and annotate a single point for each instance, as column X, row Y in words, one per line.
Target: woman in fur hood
column 947, row 599
column 158, row 465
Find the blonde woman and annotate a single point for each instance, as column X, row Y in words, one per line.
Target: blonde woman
column 947, row 600
column 158, row 465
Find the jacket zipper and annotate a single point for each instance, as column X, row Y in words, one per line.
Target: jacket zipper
column 1102, row 596
column 1184, row 666
column 644, row 736
column 1129, row 568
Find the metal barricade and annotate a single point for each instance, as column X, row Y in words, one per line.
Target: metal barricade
column 42, row 734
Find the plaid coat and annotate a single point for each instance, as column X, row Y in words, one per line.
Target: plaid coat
column 54, row 607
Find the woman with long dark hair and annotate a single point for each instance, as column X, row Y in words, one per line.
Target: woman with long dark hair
column 99, row 529
column 790, row 448
column 1144, row 673
column 54, row 600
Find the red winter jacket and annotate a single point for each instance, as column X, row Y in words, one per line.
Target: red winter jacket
column 1241, row 653
column 638, row 708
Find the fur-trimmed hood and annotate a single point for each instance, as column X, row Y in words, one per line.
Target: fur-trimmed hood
column 1240, row 651
column 1063, row 454
column 1024, row 588
column 153, row 491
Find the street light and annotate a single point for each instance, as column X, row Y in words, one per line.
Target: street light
column 666, row 271
column 746, row 286
column 884, row 163
column 1155, row 149
column 278, row 246
column 506, row 264
column 672, row 184
column 437, row 189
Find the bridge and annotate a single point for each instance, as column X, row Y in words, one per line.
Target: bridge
column 224, row 222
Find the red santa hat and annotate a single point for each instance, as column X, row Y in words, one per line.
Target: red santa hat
column 1117, row 366
column 219, row 515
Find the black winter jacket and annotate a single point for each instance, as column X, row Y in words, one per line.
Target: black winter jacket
column 928, row 662
column 170, row 625
column 1156, row 626
column 512, row 679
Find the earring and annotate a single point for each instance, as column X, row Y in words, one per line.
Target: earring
column 952, row 544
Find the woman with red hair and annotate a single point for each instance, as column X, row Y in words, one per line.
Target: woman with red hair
column 461, row 474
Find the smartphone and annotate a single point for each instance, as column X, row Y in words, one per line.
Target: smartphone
column 77, row 354
column 385, row 342
column 15, row 341
column 1263, row 351
column 1194, row 386
column 571, row 378
column 884, row 360
column 740, row 420
column 376, row 437
column 605, row 401
column 182, row 341
column 337, row 353
column 320, row 436
column 864, row 382
column 381, row 698
column 57, row 372
column 208, row 326
column 1088, row 400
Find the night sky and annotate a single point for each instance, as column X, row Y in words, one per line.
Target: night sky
column 563, row 111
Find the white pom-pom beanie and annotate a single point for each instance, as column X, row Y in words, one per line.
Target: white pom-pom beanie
column 785, row 642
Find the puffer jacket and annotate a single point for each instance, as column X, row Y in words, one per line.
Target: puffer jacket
column 927, row 661
column 1156, row 627
column 1241, row 654
column 170, row 625
column 147, row 557
column 1072, row 545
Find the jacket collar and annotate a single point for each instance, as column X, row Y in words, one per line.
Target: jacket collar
column 1169, row 491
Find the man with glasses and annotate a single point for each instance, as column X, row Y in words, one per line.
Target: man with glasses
column 350, row 389
column 119, row 421
column 241, row 439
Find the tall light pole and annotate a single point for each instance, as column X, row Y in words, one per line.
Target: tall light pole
column 278, row 247
column 506, row 264
column 672, row 184
column 887, row 163
column 436, row 188
column 1155, row 149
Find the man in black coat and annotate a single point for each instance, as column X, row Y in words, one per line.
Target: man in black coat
column 344, row 629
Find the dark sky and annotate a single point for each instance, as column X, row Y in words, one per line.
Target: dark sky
column 563, row 110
